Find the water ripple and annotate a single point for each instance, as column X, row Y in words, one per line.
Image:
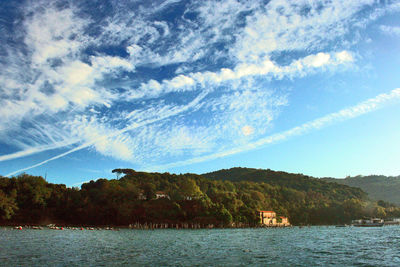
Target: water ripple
column 311, row 246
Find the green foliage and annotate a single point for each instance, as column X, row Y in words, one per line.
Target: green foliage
column 7, row 206
column 221, row 198
column 378, row 187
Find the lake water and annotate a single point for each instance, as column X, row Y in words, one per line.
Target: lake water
column 308, row 246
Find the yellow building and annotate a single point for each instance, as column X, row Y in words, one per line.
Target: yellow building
column 268, row 218
column 284, row 221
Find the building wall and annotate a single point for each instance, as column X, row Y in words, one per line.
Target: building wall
column 284, row 222
column 268, row 218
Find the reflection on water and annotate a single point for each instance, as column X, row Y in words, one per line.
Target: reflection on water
column 307, row 246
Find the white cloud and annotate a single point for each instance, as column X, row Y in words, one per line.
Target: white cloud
column 50, row 34
column 247, row 130
column 105, row 64
column 362, row 108
column 154, row 141
column 76, row 73
column 92, row 99
column 287, row 26
column 244, row 70
column 180, row 81
column 111, row 134
column 34, row 150
column 52, row 76
column 317, row 60
column 391, row 30
column 344, row 56
column 53, row 33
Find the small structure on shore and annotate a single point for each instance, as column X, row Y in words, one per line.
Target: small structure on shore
column 284, row 221
column 161, row 194
column 157, row 195
column 142, row 196
column 393, row 221
column 268, row 218
column 373, row 222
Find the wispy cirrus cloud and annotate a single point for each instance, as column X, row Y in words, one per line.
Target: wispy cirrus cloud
column 101, row 139
column 391, row 30
column 360, row 109
column 267, row 69
column 137, row 84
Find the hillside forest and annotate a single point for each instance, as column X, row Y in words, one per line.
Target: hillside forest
column 226, row 198
column 378, row 187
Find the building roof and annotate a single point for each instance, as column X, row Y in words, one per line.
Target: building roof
column 267, row 211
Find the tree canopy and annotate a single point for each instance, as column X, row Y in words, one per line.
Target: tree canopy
column 227, row 197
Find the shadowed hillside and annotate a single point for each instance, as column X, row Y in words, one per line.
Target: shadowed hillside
column 223, row 198
column 378, row 187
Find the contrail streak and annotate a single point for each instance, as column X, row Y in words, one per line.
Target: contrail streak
column 116, row 133
column 362, row 108
column 35, row 150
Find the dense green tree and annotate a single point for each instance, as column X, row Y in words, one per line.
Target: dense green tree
column 7, row 206
column 221, row 198
column 189, row 188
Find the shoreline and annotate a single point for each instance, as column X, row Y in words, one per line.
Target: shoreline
column 135, row 227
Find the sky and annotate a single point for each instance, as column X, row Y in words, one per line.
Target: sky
column 175, row 86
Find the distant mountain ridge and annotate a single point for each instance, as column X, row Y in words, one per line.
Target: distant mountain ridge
column 378, row 187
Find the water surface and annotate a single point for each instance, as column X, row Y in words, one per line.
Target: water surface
column 309, row 246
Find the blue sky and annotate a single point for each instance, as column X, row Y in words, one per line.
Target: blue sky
column 196, row 86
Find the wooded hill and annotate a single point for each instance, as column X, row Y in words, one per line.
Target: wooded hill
column 223, row 198
column 378, row 187
column 290, row 180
